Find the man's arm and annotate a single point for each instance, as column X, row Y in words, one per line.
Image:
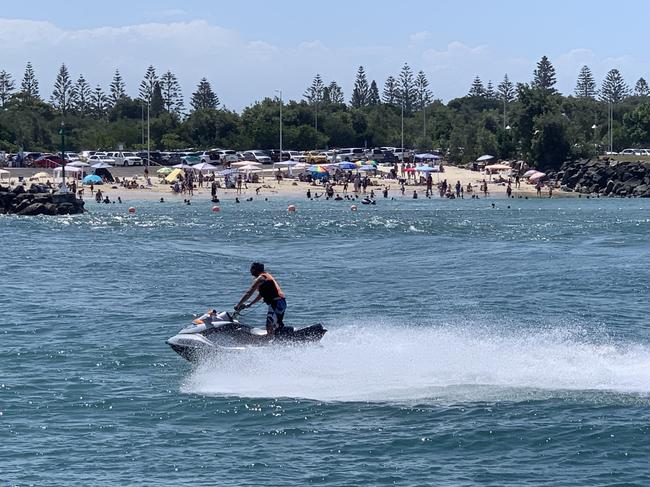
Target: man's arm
column 248, row 294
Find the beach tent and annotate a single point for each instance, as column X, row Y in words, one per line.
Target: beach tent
column 164, row 171
column 78, row 164
column 172, row 176
column 246, row 163
column 250, row 168
column 428, row 155
column 227, row 172
column 105, row 174
column 40, row 175
column 68, row 169
column 367, row 167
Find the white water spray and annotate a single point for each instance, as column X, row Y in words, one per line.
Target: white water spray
column 363, row 363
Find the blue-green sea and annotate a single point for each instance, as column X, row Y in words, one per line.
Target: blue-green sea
column 468, row 345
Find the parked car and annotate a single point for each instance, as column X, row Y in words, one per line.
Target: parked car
column 84, row 155
column 154, row 157
column 227, row 156
column 257, row 156
column 351, row 154
column 295, row 155
column 71, row 156
column 123, row 158
column 98, row 157
column 316, row 157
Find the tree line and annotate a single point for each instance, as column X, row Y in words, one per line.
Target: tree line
column 530, row 120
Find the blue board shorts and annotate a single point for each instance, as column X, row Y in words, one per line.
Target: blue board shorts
column 275, row 314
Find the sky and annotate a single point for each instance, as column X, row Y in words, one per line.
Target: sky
column 248, row 49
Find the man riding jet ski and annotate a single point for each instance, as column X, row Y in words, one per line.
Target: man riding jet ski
column 221, row 332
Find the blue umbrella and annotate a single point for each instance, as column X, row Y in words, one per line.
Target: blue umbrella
column 92, row 179
column 347, row 165
column 427, row 168
column 427, row 155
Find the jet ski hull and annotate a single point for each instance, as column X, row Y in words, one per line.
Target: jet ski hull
column 207, row 338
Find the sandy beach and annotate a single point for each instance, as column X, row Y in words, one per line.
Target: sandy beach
column 289, row 189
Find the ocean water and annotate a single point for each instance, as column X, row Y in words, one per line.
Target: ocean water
column 467, row 345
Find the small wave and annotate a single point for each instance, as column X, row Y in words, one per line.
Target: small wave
column 362, row 363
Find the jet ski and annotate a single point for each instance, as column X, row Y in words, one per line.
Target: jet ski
column 223, row 332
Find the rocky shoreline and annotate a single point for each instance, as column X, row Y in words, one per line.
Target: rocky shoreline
column 606, row 177
column 38, row 200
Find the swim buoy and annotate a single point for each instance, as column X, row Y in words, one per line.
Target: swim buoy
column 216, row 209
column 131, row 209
column 291, row 208
column 353, row 208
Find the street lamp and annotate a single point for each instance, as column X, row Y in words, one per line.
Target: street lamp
column 402, row 130
column 148, row 134
column 279, row 91
column 64, row 188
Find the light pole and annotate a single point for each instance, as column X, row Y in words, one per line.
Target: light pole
column 279, row 91
column 148, row 134
column 402, row 130
column 594, row 127
column 64, row 188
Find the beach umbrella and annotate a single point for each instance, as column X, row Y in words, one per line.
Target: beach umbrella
column 486, row 157
column 528, row 174
column 101, row 165
column 204, row 166
column 409, row 169
column 347, row 165
column 367, row 167
column 427, row 155
column 164, row 171
column 318, row 169
column 92, row 179
column 182, row 165
column 427, row 168
column 537, row 176
column 78, row 164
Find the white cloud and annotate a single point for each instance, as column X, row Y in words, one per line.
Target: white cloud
column 244, row 69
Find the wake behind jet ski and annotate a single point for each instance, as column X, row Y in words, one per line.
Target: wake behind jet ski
column 222, row 332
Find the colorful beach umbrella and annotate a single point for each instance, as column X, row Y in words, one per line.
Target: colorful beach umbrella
column 318, row 169
column 92, row 179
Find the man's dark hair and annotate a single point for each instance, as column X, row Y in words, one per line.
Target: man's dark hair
column 257, row 268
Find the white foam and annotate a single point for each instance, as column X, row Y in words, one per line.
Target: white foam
column 364, row 363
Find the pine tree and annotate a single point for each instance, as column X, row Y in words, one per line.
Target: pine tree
column 586, row 85
column 204, row 98
column 334, row 93
column 7, row 86
column 614, row 88
column 406, row 92
column 544, row 76
column 361, row 89
column 506, row 90
column 147, row 84
column 389, row 95
column 171, row 93
column 29, row 85
column 157, row 102
column 641, row 88
column 314, row 96
column 83, row 96
column 490, row 94
column 117, row 89
column 63, row 94
column 98, row 102
column 477, row 89
column 423, row 93
column 373, row 94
